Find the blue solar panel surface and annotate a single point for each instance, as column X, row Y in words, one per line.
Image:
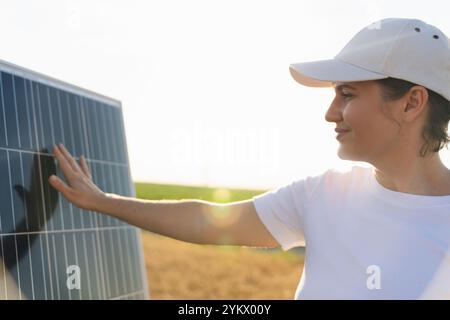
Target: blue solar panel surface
column 49, row 248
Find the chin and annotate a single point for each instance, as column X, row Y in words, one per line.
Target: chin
column 345, row 154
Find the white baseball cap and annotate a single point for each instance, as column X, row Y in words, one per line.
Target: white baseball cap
column 407, row 49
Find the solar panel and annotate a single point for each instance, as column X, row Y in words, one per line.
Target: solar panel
column 49, row 248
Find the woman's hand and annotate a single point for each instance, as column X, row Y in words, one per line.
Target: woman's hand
column 81, row 191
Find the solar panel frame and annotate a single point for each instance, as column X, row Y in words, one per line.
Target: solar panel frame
column 36, row 77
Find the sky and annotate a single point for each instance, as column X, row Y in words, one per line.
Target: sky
column 205, row 87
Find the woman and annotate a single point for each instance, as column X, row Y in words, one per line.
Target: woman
column 370, row 233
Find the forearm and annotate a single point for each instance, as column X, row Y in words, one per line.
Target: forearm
column 179, row 219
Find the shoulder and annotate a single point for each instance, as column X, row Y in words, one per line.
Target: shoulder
column 334, row 181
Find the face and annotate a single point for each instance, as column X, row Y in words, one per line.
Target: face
column 359, row 108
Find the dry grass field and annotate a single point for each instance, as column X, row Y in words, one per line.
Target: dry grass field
column 181, row 270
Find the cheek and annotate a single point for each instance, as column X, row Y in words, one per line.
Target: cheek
column 370, row 126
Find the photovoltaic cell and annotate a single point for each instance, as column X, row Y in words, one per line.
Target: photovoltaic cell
column 42, row 235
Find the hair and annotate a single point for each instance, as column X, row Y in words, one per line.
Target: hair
column 434, row 131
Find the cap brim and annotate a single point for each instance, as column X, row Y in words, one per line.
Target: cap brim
column 324, row 72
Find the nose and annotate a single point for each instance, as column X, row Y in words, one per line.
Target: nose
column 334, row 112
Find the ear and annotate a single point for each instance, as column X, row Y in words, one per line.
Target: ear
column 415, row 102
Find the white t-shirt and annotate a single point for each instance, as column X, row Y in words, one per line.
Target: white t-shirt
column 362, row 240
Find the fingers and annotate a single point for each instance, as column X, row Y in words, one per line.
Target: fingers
column 70, row 167
column 59, row 185
column 66, row 167
column 69, row 158
column 85, row 167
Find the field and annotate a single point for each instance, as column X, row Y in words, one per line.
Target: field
column 181, row 270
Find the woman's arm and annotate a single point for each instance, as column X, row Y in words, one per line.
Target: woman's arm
column 194, row 221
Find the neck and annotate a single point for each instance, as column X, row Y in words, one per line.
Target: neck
column 414, row 175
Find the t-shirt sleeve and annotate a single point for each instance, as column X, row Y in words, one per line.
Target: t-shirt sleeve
column 283, row 210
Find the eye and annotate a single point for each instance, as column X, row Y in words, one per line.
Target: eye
column 346, row 95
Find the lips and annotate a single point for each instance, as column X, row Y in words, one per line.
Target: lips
column 339, row 130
